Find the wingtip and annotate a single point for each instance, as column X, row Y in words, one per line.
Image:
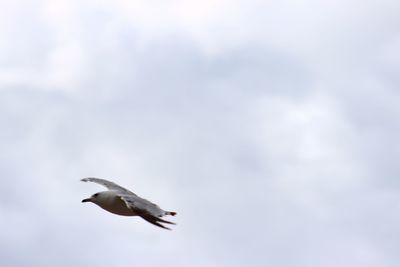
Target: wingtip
column 87, row 179
column 156, row 222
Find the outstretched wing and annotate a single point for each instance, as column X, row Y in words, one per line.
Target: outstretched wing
column 109, row 185
column 147, row 210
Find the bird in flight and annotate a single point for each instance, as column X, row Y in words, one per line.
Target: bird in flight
column 121, row 201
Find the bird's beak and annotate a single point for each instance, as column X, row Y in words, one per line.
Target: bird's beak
column 86, row 200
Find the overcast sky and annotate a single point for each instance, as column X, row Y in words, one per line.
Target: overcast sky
column 271, row 127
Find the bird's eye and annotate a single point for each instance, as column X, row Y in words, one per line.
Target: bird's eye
column 95, row 195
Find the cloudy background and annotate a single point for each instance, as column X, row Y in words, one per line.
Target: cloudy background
column 271, row 127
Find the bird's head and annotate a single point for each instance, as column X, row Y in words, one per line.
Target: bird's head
column 93, row 198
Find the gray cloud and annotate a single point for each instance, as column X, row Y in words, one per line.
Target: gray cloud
column 276, row 147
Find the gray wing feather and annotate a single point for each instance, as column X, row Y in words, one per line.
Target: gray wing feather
column 109, row 185
column 147, row 210
column 141, row 205
column 156, row 221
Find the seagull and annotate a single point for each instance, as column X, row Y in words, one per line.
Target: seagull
column 121, row 201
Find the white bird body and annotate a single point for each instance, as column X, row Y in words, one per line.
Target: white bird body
column 121, row 201
column 110, row 201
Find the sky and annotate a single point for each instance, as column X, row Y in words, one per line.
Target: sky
column 270, row 127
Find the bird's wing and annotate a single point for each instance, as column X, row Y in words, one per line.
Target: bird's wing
column 156, row 221
column 137, row 203
column 146, row 209
column 108, row 184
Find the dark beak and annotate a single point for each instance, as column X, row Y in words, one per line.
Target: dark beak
column 86, row 200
